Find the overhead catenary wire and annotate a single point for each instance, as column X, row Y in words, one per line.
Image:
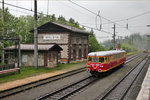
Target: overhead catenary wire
column 129, row 18
column 83, row 8
column 96, row 29
column 98, row 16
column 30, row 13
column 21, row 8
column 46, row 14
column 93, row 12
column 38, row 12
column 108, row 19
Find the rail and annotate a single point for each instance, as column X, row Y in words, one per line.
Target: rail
column 121, row 87
column 31, row 85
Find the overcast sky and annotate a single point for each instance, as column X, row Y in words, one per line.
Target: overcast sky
column 110, row 9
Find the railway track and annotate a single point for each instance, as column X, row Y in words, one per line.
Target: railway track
column 120, row 88
column 132, row 58
column 31, row 85
column 68, row 90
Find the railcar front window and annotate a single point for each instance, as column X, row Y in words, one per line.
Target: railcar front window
column 101, row 59
column 89, row 58
column 95, row 59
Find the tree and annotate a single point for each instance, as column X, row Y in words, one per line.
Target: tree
column 62, row 20
column 53, row 18
column 93, row 43
column 71, row 20
column 25, row 35
column 9, row 23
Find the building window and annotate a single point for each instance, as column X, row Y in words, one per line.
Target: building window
column 74, row 55
column 85, row 54
column 54, row 57
column 59, row 56
column 77, row 40
column 50, row 57
column 80, row 54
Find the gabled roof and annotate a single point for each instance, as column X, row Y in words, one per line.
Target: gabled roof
column 41, row 47
column 106, row 53
column 56, row 27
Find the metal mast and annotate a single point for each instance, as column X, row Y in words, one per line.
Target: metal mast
column 35, row 36
column 3, row 31
column 114, row 36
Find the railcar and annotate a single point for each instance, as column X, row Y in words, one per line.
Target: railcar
column 103, row 61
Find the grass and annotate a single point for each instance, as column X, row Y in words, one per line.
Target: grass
column 132, row 53
column 30, row 71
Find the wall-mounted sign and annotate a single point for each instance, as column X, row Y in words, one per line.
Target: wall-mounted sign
column 51, row 37
column 24, row 58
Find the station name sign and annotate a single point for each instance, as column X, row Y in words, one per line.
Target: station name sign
column 51, row 37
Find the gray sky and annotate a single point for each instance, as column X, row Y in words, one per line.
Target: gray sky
column 110, row 9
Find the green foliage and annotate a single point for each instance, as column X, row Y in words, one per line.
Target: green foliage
column 62, row 20
column 110, row 48
column 31, row 71
column 71, row 20
column 131, row 43
column 20, row 27
column 93, row 44
column 128, row 48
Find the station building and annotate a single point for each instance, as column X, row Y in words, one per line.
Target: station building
column 27, row 55
column 73, row 41
column 56, row 43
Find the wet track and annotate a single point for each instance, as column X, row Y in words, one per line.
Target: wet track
column 119, row 90
column 49, row 88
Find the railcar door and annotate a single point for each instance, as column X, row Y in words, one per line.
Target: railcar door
column 109, row 61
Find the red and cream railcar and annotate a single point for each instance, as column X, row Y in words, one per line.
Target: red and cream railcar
column 103, row 61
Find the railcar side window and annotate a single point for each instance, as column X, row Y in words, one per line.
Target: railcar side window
column 108, row 59
column 105, row 59
column 112, row 58
column 89, row 58
column 95, row 59
column 101, row 59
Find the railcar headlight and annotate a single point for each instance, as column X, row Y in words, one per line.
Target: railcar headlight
column 101, row 66
column 88, row 70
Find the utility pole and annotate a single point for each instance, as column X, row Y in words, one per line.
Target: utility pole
column 35, row 36
column 3, row 32
column 114, row 35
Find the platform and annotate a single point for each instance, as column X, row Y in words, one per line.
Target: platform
column 144, row 93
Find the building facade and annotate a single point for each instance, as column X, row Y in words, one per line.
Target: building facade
column 73, row 41
column 48, row 55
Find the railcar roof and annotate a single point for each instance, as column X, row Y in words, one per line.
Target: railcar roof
column 106, row 53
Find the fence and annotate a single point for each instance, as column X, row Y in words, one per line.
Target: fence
column 9, row 55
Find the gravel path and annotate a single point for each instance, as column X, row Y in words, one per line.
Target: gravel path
column 12, row 84
column 44, row 89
